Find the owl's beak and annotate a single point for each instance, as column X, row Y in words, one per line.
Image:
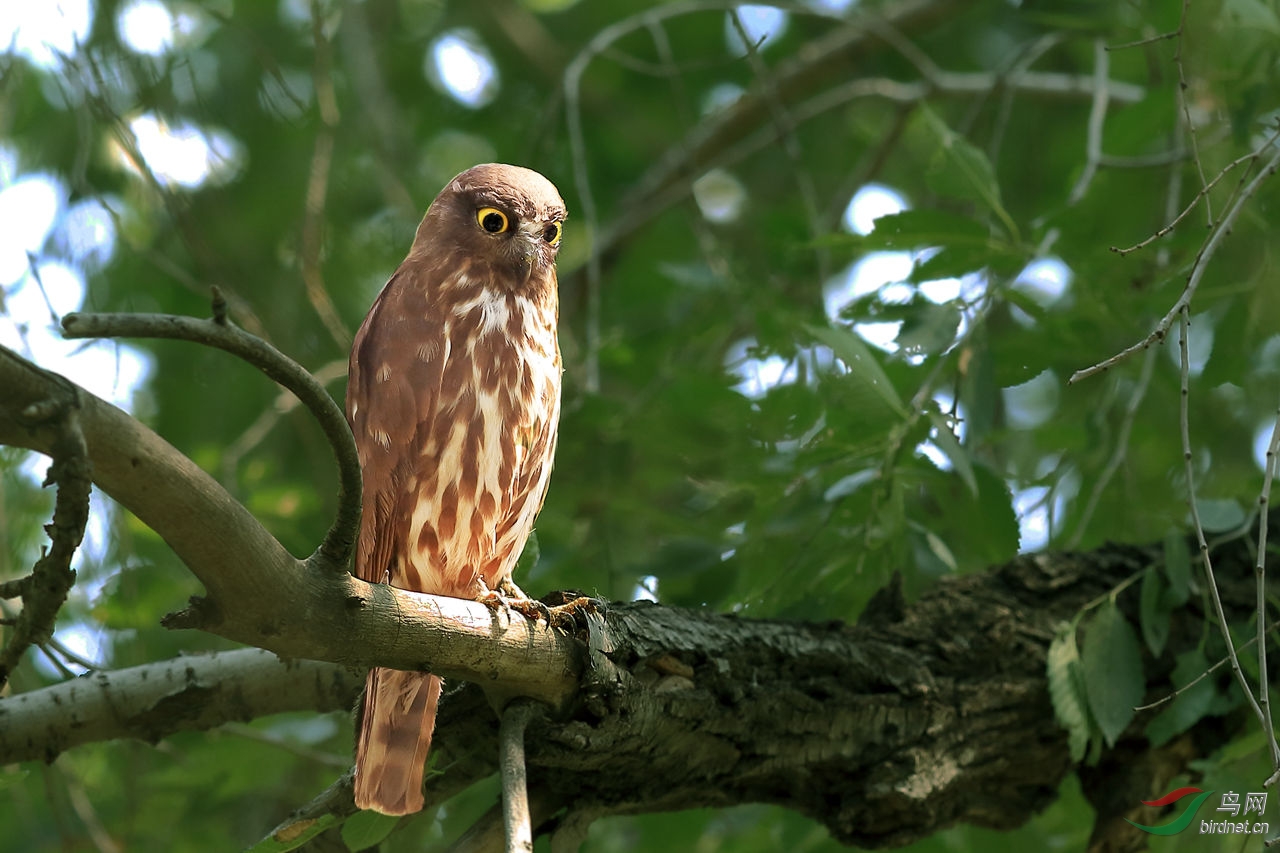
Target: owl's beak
column 524, row 249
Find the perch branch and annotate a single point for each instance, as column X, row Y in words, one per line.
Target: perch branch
column 330, row 615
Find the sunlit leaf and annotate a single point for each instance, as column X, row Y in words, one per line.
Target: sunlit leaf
column 862, row 364
column 1070, row 706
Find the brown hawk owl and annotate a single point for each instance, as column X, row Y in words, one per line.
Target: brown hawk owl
column 454, row 398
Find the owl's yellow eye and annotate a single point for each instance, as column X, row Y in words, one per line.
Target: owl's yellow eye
column 492, row 220
column 552, row 233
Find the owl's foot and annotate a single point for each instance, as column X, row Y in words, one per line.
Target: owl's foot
column 510, row 597
column 570, row 609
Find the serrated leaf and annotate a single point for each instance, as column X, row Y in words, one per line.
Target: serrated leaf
column 1000, row 522
column 958, row 169
column 367, row 828
column 1112, row 667
column 1154, row 611
column 862, row 364
column 1070, row 706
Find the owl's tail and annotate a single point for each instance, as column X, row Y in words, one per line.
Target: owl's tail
column 395, row 734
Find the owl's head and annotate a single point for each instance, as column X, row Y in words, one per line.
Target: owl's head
column 509, row 216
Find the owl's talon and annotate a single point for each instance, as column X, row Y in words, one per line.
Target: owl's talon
column 570, row 616
column 532, row 609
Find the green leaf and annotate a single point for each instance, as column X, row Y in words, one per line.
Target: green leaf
column 1154, row 610
column 960, row 170
column 917, row 229
column 929, row 328
column 1218, row 515
column 367, row 828
column 862, row 364
column 941, row 551
column 1177, row 566
column 1112, row 667
column 1070, row 705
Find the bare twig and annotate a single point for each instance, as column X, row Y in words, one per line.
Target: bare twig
column 1183, row 302
column 1221, row 662
column 1189, row 468
column 515, row 794
column 338, row 542
column 785, row 125
column 257, row 431
column 1202, row 194
column 1097, row 116
column 318, row 183
column 1264, row 690
column 1189, row 126
column 52, row 577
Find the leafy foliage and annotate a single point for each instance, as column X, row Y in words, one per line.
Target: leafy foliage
column 746, row 445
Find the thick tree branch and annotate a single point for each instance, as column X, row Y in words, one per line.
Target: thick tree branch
column 155, row 700
column 260, row 595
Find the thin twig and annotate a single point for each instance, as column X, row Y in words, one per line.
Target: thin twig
column 1148, row 40
column 785, row 124
column 318, row 184
column 340, row 539
column 270, row 416
column 1189, row 467
column 1202, row 194
column 1097, row 116
column 1181, row 33
column 1260, row 570
column 1193, row 281
column 1164, row 700
column 515, row 794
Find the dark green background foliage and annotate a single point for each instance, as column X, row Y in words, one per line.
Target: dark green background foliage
column 798, row 504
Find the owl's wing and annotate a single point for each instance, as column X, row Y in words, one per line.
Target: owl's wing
column 393, row 388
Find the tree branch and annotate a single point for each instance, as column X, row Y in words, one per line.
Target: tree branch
column 260, row 595
column 152, row 701
column 917, row 718
column 45, row 589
